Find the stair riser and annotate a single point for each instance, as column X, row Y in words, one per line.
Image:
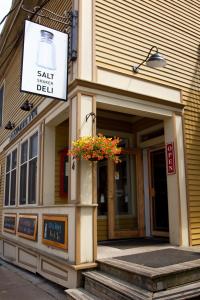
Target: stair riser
column 153, row 285
column 138, row 280
column 106, row 293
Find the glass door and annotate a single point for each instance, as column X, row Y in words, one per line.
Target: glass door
column 122, row 195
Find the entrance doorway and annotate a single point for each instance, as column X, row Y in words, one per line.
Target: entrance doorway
column 158, row 193
column 117, row 194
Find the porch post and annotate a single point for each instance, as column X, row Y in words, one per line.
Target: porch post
column 82, row 180
column 82, row 186
column 176, row 185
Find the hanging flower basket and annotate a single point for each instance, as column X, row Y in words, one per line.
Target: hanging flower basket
column 96, row 148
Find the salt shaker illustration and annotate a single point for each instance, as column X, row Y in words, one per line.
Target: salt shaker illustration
column 46, row 54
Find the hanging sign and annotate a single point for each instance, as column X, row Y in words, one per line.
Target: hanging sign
column 170, row 153
column 44, row 61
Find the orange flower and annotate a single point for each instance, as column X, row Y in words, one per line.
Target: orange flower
column 99, row 147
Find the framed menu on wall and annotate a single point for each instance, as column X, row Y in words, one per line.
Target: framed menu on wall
column 27, row 227
column 55, row 231
column 9, row 223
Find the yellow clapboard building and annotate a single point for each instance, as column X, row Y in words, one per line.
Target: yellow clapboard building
column 55, row 209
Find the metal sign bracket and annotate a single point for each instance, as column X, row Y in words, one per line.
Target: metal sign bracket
column 69, row 19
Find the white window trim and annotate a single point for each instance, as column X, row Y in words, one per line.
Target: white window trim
column 16, row 191
column 27, row 137
column 17, row 146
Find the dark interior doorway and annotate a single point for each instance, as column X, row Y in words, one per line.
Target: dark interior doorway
column 159, row 198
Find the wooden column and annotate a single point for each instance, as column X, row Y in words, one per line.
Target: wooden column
column 83, row 180
column 176, row 185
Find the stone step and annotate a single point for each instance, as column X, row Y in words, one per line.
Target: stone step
column 107, row 287
column 188, row 291
column 152, row 279
column 80, row 294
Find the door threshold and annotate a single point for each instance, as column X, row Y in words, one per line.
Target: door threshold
column 114, row 248
column 135, row 241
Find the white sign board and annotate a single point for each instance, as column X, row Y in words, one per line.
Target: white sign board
column 44, row 66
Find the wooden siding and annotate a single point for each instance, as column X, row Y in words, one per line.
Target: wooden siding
column 13, row 98
column 125, row 31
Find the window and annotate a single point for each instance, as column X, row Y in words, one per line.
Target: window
column 1, row 104
column 28, row 170
column 10, row 186
column 26, row 166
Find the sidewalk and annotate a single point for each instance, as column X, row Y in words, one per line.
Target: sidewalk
column 18, row 284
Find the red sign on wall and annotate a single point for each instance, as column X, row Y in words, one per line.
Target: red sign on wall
column 171, row 164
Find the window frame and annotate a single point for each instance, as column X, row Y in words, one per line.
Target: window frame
column 27, row 138
column 10, row 173
column 17, row 146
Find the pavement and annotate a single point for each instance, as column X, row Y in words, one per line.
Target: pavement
column 19, row 284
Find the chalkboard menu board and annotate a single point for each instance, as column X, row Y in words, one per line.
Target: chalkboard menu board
column 55, row 231
column 27, row 226
column 10, row 223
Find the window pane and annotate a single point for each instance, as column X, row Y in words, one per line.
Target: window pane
column 24, row 152
column 14, row 159
column 32, row 180
column 23, row 173
column 13, row 187
column 7, row 189
column 126, row 194
column 1, row 104
column 8, row 163
column 33, row 145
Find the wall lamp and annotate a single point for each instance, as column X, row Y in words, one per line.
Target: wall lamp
column 26, row 106
column 154, row 61
column 9, row 126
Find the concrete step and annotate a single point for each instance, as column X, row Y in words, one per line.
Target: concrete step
column 108, row 287
column 152, row 279
column 80, row 294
